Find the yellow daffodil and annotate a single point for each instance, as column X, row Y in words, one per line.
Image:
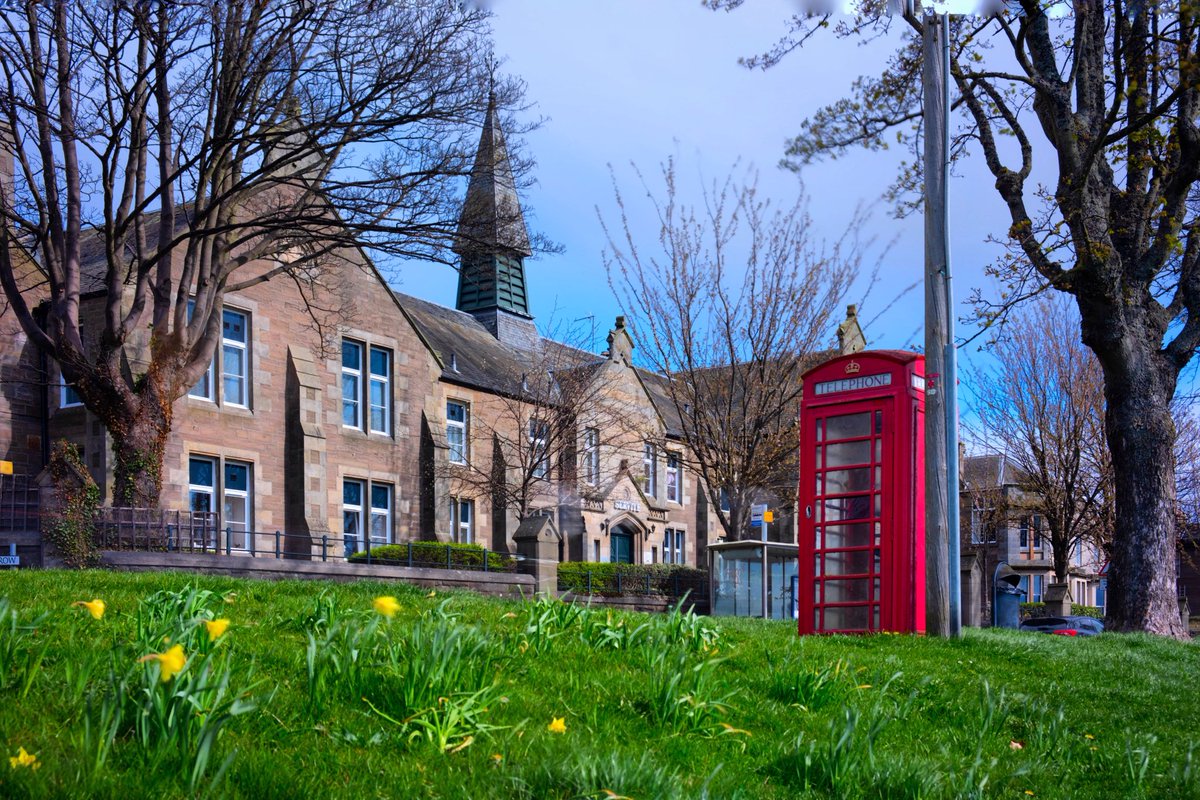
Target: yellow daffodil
column 557, row 725
column 387, row 605
column 24, row 759
column 432, row 593
column 170, row 663
column 1088, row 736
column 497, row 758
column 216, row 628
column 94, row 607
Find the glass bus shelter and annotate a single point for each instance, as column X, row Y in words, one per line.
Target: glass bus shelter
column 753, row 579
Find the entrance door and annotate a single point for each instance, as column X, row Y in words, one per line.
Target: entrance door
column 846, row 459
column 622, row 548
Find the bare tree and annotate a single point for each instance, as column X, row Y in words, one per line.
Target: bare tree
column 1107, row 93
column 168, row 153
column 731, row 306
column 1041, row 403
column 533, row 453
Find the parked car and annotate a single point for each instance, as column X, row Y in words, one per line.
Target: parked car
column 1064, row 626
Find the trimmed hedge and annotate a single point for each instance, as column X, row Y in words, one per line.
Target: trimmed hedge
column 434, row 555
column 663, row 578
column 1039, row 610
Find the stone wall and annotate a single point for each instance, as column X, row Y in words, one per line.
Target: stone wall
column 496, row 584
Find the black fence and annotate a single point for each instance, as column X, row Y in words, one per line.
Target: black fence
column 162, row 530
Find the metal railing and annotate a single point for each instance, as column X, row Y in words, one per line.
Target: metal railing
column 159, row 530
column 126, row 528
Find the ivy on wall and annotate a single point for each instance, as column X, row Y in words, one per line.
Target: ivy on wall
column 71, row 526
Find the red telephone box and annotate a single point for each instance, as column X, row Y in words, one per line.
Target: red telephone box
column 862, row 494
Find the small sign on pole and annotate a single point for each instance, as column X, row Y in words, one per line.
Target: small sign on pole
column 6, row 468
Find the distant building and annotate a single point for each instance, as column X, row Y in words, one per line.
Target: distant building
column 998, row 526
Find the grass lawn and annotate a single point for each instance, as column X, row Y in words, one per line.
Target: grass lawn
column 310, row 693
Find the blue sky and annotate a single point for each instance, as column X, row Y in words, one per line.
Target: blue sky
column 624, row 81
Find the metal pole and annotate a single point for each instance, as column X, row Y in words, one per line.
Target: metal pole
column 951, row 359
column 937, row 533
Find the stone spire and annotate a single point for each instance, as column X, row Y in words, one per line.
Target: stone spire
column 492, row 239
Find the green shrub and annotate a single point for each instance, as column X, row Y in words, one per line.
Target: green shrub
column 1029, row 610
column 663, row 578
column 433, row 554
column 1080, row 610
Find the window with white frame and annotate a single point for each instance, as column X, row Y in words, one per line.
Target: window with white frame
column 211, row 479
column 352, row 368
column 235, row 366
column 674, row 490
column 231, row 360
column 381, row 513
column 235, row 519
column 379, row 391
column 366, row 384
column 204, row 388
column 458, row 415
column 673, row 546
column 650, row 469
column 539, row 447
column 67, row 396
column 367, row 506
column 591, row 456
column 462, row 520
column 724, row 499
column 352, row 510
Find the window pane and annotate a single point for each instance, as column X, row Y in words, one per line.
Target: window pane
column 848, row 535
column 233, row 326
column 235, row 371
column 379, row 362
column 352, row 493
column 350, row 400
column 381, row 496
column 351, row 355
column 456, row 412
column 848, row 591
column 842, row 481
column 203, row 387
column 853, row 618
column 848, row 508
column 235, row 512
column 839, row 455
column 200, row 501
column 200, row 472
column 853, row 562
column 848, row 425
column 237, row 477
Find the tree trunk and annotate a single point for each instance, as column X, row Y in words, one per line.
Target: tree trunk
column 139, row 444
column 1142, row 593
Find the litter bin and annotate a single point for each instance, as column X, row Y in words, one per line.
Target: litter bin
column 1006, row 597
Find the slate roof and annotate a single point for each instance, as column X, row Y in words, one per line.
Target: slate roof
column 484, row 362
column 990, row 470
column 480, row 360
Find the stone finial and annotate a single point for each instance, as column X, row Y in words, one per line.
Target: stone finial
column 620, row 344
column 850, row 333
